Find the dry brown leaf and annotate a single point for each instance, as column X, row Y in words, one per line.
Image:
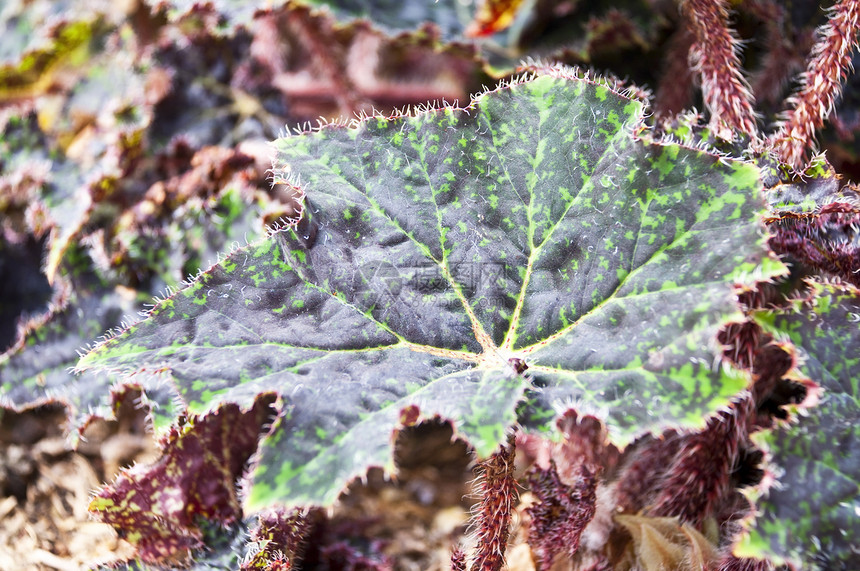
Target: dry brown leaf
column 663, row 544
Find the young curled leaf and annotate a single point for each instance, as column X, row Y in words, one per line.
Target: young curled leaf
column 562, row 512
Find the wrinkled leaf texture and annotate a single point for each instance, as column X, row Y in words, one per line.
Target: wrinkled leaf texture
column 811, row 516
column 438, row 254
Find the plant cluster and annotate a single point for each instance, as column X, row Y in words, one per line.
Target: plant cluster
column 641, row 319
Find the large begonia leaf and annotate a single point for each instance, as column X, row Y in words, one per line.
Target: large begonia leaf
column 818, row 189
column 525, row 253
column 811, row 515
column 36, row 369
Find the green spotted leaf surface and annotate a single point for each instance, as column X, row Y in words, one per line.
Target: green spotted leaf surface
column 490, row 265
column 36, row 370
column 812, row 516
column 801, row 198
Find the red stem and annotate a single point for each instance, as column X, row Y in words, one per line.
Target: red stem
column 820, row 84
column 714, row 56
column 493, row 518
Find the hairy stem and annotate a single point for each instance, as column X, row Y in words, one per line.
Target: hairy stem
column 820, row 85
column 282, row 536
column 497, row 488
column 714, row 56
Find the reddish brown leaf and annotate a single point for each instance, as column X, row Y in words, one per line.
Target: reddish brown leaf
column 194, row 478
column 644, row 469
column 699, row 476
column 828, row 240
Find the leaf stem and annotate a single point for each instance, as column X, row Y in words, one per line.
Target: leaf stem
column 675, row 88
column 714, row 55
column 820, row 84
column 497, row 488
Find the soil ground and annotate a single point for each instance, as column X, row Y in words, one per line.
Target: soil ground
column 45, row 487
